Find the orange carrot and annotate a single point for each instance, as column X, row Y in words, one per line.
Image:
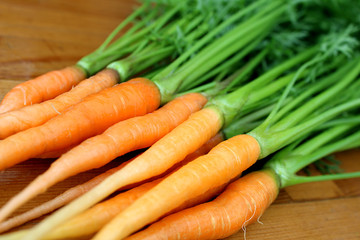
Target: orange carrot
column 104, row 211
column 121, row 138
column 243, row 202
column 85, row 119
column 96, row 217
column 44, row 87
column 166, row 152
column 220, row 165
column 37, row 114
column 54, row 154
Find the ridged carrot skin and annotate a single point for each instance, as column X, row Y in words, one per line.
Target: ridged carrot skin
column 186, row 137
column 90, row 117
column 121, row 138
column 54, row 154
column 242, row 203
column 37, row 114
column 220, row 165
column 96, row 217
column 44, row 87
column 87, row 222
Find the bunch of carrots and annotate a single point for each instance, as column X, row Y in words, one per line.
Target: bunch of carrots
column 207, row 89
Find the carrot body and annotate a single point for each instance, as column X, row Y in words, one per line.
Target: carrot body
column 220, row 165
column 88, row 118
column 37, row 114
column 54, row 154
column 96, row 217
column 186, row 137
column 121, row 138
column 44, row 87
column 92, row 220
column 243, row 202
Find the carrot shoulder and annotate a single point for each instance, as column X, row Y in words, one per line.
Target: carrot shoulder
column 92, row 116
column 37, row 114
column 243, row 202
column 121, row 138
column 220, row 165
column 44, row 87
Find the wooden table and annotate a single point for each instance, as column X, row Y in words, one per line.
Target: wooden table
column 38, row 36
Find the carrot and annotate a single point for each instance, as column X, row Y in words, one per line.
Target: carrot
column 37, row 114
column 90, row 219
column 243, row 151
column 167, row 87
column 229, row 158
column 121, row 138
column 54, row 154
column 42, row 88
column 169, row 81
column 93, row 115
column 243, row 202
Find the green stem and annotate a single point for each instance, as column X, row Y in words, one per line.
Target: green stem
column 294, row 158
column 249, row 67
column 293, row 180
column 346, row 143
column 97, row 60
column 238, row 126
column 221, row 48
column 270, row 141
column 317, row 87
column 147, row 55
column 316, row 102
column 128, row 20
column 231, row 103
column 202, row 42
column 129, row 67
column 223, row 68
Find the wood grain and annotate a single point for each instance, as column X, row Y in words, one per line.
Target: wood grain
column 39, row 36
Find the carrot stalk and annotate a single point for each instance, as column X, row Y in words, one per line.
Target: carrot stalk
column 121, row 138
column 37, row 114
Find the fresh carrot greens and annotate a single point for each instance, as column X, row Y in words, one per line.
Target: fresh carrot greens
column 262, row 67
